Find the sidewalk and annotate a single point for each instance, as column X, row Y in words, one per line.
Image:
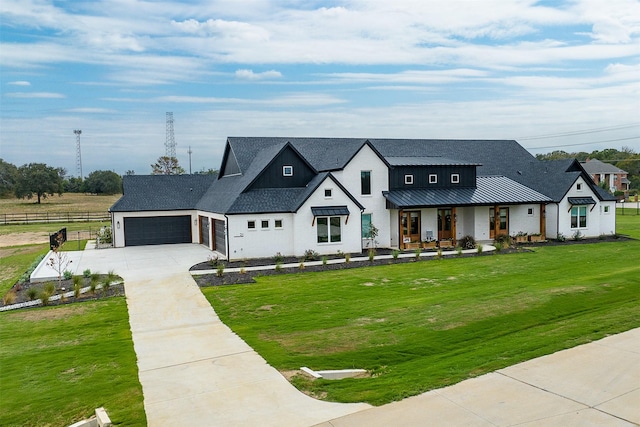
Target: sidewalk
column 596, row 384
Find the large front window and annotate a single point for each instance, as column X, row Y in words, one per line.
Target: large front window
column 365, row 182
column 366, row 226
column 579, row 217
column 329, row 230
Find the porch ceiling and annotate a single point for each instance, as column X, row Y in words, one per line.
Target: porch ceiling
column 490, row 190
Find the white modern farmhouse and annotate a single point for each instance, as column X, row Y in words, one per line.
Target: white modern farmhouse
column 289, row 195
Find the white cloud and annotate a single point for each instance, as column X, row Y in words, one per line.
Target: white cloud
column 245, row 74
column 34, row 95
column 20, row 83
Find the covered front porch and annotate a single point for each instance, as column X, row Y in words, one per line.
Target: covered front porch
column 442, row 227
column 496, row 206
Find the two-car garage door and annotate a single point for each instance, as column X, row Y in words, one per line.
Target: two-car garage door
column 157, row 230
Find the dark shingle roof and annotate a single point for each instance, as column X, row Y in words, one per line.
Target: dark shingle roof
column 161, row 192
column 427, row 161
column 490, row 190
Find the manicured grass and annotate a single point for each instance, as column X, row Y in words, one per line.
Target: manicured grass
column 52, row 227
column 68, row 202
column 15, row 260
column 427, row 324
column 60, row 363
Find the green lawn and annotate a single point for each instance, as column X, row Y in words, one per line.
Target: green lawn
column 60, row 363
column 424, row 325
column 15, row 260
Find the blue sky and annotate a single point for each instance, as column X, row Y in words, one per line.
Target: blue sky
column 550, row 74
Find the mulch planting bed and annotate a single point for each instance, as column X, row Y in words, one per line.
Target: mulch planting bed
column 23, row 294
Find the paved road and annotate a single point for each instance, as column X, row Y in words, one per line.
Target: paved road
column 195, row 371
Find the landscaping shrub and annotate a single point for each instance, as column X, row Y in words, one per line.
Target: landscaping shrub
column 372, row 254
column 467, row 242
column 67, row 275
column 395, row 253
column 311, row 255
column 87, row 273
column 32, row 293
column 9, row 298
column 479, row 248
column 220, row 269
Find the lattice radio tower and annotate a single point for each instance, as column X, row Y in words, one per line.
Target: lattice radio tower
column 78, row 155
column 170, row 142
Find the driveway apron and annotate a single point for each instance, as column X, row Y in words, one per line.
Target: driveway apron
column 193, row 369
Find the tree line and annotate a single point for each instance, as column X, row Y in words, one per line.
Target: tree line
column 626, row 159
column 39, row 181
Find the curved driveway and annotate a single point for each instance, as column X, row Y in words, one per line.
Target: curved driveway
column 195, row 371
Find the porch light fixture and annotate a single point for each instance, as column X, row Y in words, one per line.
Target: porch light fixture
column 118, row 225
column 455, row 217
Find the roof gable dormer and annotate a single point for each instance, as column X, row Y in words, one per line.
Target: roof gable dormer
column 229, row 166
column 287, row 169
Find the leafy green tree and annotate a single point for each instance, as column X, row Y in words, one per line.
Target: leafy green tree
column 38, row 179
column 73, row 185
column 8, row 178
column 166, row 165
column 204, row 171
column 103, row 182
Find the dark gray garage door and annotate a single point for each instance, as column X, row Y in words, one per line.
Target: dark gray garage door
column 218, row 228
column 157, row 230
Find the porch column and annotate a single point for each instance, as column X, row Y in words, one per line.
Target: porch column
column 543, row 221
column 453, row 225
column 400, row 236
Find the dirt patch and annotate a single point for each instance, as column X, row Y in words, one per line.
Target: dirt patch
column 26, row 238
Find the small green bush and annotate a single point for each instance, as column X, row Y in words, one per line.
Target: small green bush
column 77, row 287
column 67, row 275
column 347, row 258
column 45, row 295
column 479, row 248
column 219, row 269
column 577, row 235
column 395, row 253
column 32, row 293
column 417, row 253
column 87, row 273
column 372, row 254
column 50, row 287
column 498, row 246
column 324, row 260
column 278, row 265
column 459, row 250
column 311, row 255
column 278, row 258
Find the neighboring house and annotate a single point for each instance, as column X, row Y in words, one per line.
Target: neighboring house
column 616, row 178
column 290, row 195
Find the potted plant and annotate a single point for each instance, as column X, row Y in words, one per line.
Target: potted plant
column 535, row 237
column 429, row 244
column 521, row 237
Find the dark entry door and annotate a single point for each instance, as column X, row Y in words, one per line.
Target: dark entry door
column 157, row 230
column 204, row 230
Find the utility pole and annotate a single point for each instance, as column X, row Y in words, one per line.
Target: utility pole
column 189, row 151
column 78, row 155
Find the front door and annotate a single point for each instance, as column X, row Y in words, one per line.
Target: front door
column 410, row 226
column 445, row 224
column 498, row 221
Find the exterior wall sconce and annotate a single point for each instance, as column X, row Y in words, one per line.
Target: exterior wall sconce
column 195, row 221
column 118, row 225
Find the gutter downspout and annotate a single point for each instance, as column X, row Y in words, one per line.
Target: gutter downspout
column 226, row 231
column 557, row 219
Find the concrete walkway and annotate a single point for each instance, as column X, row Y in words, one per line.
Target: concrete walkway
column 196, row 371
column 596, row 384
column 193, row 369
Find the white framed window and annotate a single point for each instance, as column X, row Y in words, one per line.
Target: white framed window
column 605, row 209
column 329, row 229
column 408, row 179
column 455, row 178
column 264, row 224
column 579, row 186
column 277, row 223
column 251, row 224
column 328, row 193
column 366, row 225
column 287, row 171
column 530, row 211
column 433, row 178
column 579, row 217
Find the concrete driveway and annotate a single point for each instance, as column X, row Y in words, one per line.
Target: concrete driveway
column 193, row 369
column 196, row 371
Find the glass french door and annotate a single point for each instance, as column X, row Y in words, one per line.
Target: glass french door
column 410, row 226
column 498, row 221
